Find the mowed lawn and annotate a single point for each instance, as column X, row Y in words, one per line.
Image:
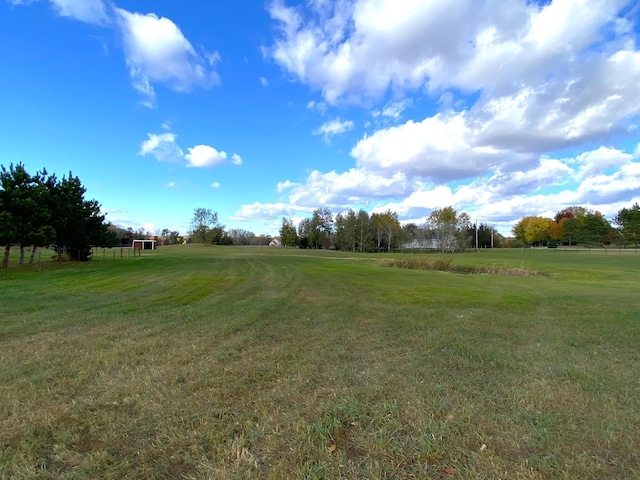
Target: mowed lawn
column 225, row 362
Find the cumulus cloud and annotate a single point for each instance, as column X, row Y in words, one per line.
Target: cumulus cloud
column 164, row 148
column 543, row 77
column 548, row 172
column 541, row 187
column 334, row 127
column 341, row 189
column 157, row 51
column 204, row 156
column 261, row 211
column 440, row 148
column 215, row 185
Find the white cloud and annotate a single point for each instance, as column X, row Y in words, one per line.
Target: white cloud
column 544, row 76
column 342, row 189
column 441, row 148
column 164, row 148
column 393, row 109
column 548, row 172
column 88, row 11
column 204, row 156
column 321, row 107
column 261, row 211
column 366, row 46
column 157, row 51
column 542, row 187
column 264, row 82
column 171, row 184
column 598, row 161
column 215, row 185
column 334, row 127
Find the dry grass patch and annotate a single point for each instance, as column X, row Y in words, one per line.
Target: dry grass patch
column 445, row 264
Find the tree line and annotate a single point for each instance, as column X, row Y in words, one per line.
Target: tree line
column 446, row 230
column 41, row 210
column 206, row 228
column 580, row 226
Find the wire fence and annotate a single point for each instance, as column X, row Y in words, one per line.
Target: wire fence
column 45, row 259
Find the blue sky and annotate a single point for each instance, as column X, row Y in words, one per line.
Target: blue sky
column 260, row 110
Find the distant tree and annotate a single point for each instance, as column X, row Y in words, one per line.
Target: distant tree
column 363, row 231
column 241, row 237
column 628, row 221
column 305, row 229
column 219, row 236
column 556, row 231
column 533, row 230
column 304, row 242
column 487, row 236
column 537, row 231
column 340, row 225
column 351, row 229
column 570, row 229
column 568, row 223
column 570, row 212
column 321, row 227
column 288, row 233
column 410, row 234
column 450, row 228
column 203, row 221
column 386, row 227
column 595, row 229
column 109, row 238
column 164, row 236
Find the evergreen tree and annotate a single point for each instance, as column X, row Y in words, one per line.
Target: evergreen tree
column 24, row 215
column 77, row 222
column 629, row 221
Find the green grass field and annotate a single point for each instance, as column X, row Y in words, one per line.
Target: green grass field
column 222, row 362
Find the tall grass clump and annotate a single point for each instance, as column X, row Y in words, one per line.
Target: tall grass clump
column 445, row 264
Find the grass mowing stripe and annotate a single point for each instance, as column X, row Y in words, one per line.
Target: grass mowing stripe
column 205, row 362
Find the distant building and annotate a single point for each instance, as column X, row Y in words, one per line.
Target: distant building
column 144, row 244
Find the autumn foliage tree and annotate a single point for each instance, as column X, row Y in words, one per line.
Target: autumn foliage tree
column 533, row 230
